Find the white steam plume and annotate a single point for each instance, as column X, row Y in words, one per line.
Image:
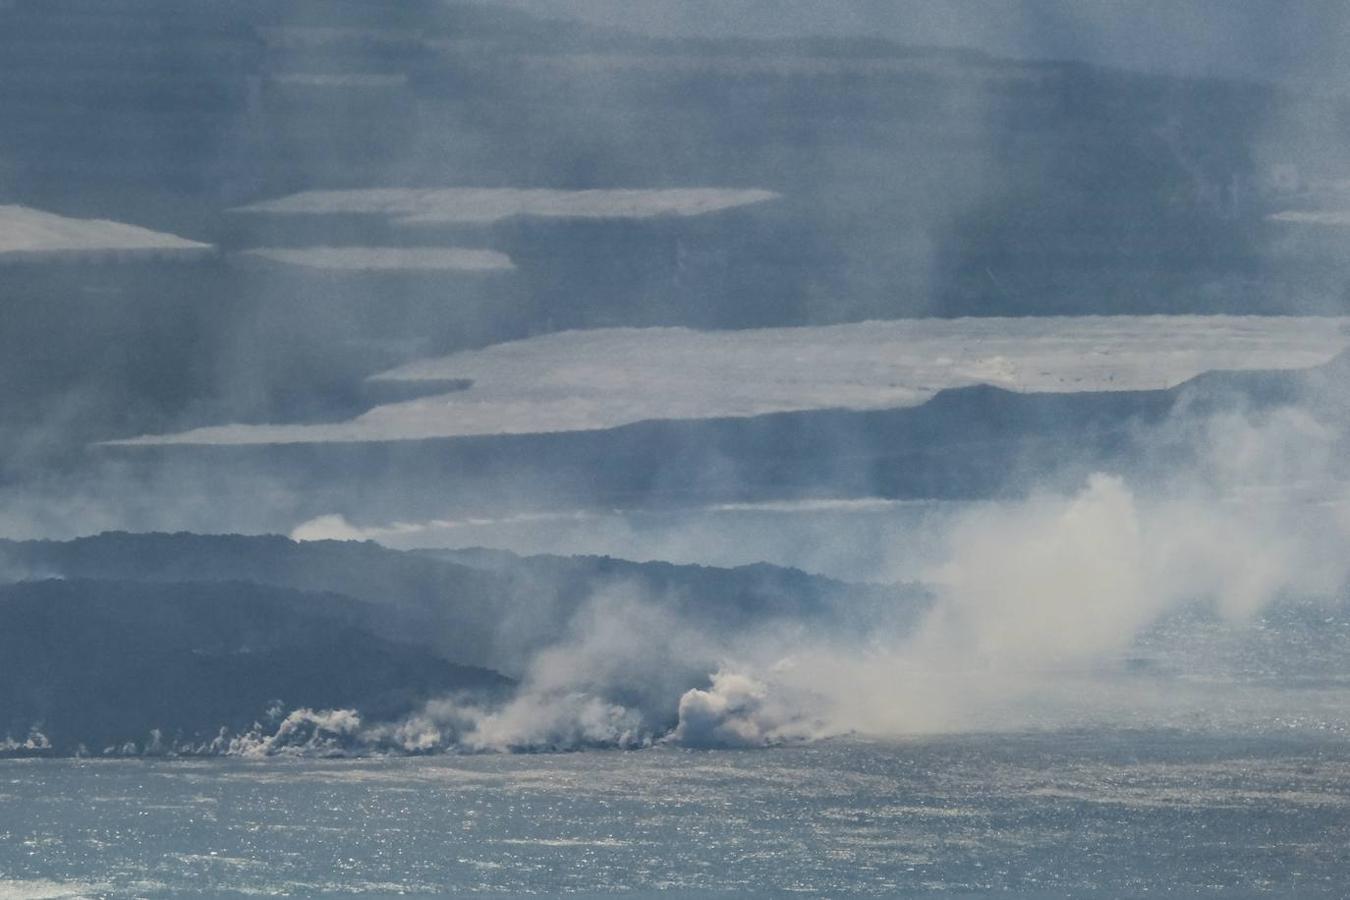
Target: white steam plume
column 1039, row 607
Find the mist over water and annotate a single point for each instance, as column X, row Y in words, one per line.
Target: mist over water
column 1058, row 610
column 1061, row 610
column 906, row 446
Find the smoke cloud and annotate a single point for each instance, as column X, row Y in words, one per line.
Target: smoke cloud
column 1035, row 601
column 1042, row 610
column 856, row 181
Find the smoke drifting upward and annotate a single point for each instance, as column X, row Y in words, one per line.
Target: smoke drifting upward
column 1047, row 602
column 529, row 226
column 1116, row 604
column 1042, row 606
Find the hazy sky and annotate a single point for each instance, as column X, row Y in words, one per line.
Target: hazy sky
column 1254, row 38
column 975, row 191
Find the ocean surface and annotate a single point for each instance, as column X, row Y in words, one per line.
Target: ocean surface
column 1100, row 813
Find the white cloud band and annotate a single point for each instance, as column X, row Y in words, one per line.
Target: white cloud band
column 587, row 380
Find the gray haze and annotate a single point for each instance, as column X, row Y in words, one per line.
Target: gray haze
column 1013, row 177
column 1262, row 39
column 539, row 275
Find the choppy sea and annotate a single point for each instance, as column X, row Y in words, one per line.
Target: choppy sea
column 1102, row 813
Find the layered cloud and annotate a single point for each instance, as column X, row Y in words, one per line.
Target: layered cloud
column 605, row 378
column 430, row 206
column 31, row 234
column 1331, row 217
column 386, row 259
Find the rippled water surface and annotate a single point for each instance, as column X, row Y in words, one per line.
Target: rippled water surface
column 1079, row 813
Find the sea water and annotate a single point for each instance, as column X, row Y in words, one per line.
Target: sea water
column 1098, row 813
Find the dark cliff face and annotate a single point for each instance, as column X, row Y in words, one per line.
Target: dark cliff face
column 124, row 650
column 106, row 638
column 101, row 663
column 494, row 614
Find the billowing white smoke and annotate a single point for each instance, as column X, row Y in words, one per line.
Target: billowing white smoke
column 1038, row 606
column 613, row 680
column 36, row 742
column 739, row 711
column 1039, row 603
column 305, row 732
column 531, row 722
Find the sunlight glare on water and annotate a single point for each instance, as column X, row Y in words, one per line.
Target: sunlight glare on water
column 1083, row 813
